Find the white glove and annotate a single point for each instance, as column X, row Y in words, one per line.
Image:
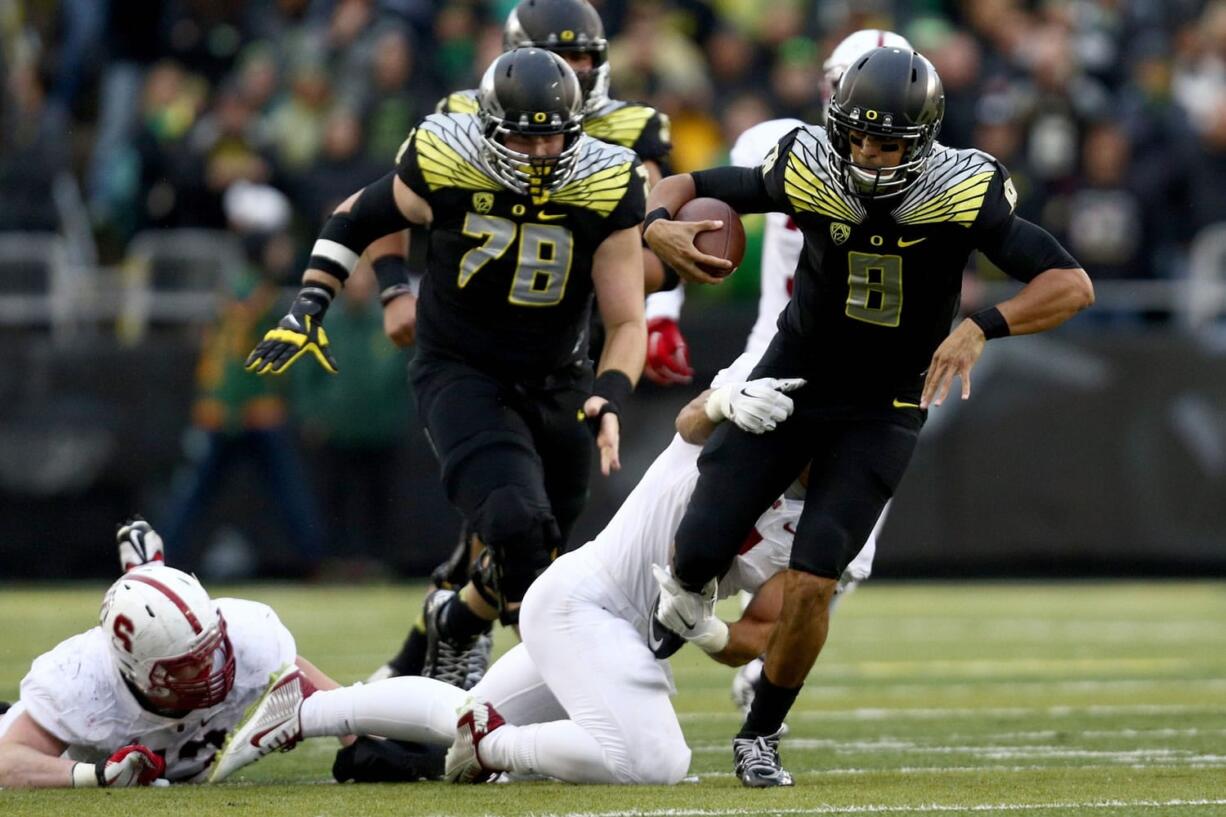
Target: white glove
column 133, row 765
column 690, row 615
column 139, row 544
column 755, row 406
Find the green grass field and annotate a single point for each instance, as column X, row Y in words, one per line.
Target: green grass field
column 1071, row 699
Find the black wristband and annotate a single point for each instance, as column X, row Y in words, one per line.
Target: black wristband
column 654, row 216
column 390, row 270
column 314, row 300
column 614, row 386
column 991, row 322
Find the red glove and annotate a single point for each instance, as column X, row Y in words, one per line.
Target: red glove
column 133, row 765
column 668, row 356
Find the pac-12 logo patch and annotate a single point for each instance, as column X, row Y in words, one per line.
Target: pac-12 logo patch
column 839, row 232
column 483, row 202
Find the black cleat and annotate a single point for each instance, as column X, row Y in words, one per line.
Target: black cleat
column 459, row 663
column 757, row 762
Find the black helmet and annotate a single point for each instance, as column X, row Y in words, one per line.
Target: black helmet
column 889, row 93
column 530, row 92
column 564, row 26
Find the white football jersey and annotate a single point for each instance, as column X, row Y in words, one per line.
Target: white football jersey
column 641, row 532
column 76, row 693
column 781, row 241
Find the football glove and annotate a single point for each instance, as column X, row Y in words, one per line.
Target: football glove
column 668, row 356
column 690, row 615
column 299, row 332
column 756, row 406
column 138, row 544
column 133, row 765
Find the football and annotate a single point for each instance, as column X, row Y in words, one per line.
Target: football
column 726, row 242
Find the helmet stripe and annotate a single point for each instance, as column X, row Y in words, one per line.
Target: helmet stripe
column 173, row 596
column 880, row 38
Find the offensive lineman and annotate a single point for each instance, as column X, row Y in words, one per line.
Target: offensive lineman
column 573, row 30
column 889, row 218
column 528, row 217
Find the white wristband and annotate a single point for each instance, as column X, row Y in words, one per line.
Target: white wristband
column 84, row 776
column 716, row 639
column 716, row 406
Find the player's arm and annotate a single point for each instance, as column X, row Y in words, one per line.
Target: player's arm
column 382, row 207
column 756, row 406
column 742, row 188
column 749, row 635
column 1056, row 289
column 617, row 276
column 30, row 757
column 398, row 285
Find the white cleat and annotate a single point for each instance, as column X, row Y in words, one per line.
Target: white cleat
column 271, row 724
column 463, row 764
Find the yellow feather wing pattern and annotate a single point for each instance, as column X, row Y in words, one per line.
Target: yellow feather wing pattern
column 444, row 166
column 599, row 191
column 620, row 127
column 462, row 102
column 959, row 204
column 808, row 193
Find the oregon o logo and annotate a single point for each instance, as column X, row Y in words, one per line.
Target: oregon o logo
column 517, row 210
column 876, row 241
column 871, row 116
column 568, row 35
column 540, row 116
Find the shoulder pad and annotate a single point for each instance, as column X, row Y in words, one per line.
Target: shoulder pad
column 602, row 173
column 951, row 189
column 459, row 102
column 620, row 123
column 448, row 148
column 810, row 181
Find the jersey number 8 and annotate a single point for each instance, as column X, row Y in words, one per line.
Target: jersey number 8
column 544, row 257
column 874, row 288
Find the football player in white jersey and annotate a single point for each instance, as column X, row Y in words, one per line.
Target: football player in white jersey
column 581, row 698
column 150, row 693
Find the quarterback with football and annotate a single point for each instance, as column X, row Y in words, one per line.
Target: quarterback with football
column 151, row 692
column 889, row 219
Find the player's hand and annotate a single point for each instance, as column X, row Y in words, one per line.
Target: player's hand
column 133, row 765
column 400, row 320
column 956, row 356
column 682, row 610
column 756, row 406
column 299, row 332
column 608, row 435
column 668, row 356
column 138, row 544
column 673, row 243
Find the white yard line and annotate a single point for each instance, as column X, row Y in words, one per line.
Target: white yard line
column 943, row 713
column 927, row 808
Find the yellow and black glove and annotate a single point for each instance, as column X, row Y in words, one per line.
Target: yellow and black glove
column 299, row 332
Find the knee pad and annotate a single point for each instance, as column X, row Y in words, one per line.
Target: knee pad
column 522, row 538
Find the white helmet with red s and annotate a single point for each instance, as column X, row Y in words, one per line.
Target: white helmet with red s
column 167, row 638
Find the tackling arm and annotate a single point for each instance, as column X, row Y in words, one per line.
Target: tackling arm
column 749, row 635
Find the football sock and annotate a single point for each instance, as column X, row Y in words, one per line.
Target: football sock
column 561, row 749
column 770, row 706
column 407, row 708
column 457, row 623
column 412, row 655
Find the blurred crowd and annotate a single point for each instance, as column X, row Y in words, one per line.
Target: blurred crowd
column 1111, row 114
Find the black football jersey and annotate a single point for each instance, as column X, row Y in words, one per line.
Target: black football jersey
column 878, row 283
column 632, row 125
column 508, row 285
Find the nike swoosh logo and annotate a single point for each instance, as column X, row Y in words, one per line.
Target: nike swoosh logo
column 552, row 216
column 900, row 404
column 902, row 243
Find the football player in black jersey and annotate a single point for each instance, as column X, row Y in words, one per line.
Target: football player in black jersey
column 528, row 218
column 889, row 218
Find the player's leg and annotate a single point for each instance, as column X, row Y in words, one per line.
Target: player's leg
column 493, row 475
column 407, row 708
column 564, row 444
column 855, row 469
column 621, row 726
